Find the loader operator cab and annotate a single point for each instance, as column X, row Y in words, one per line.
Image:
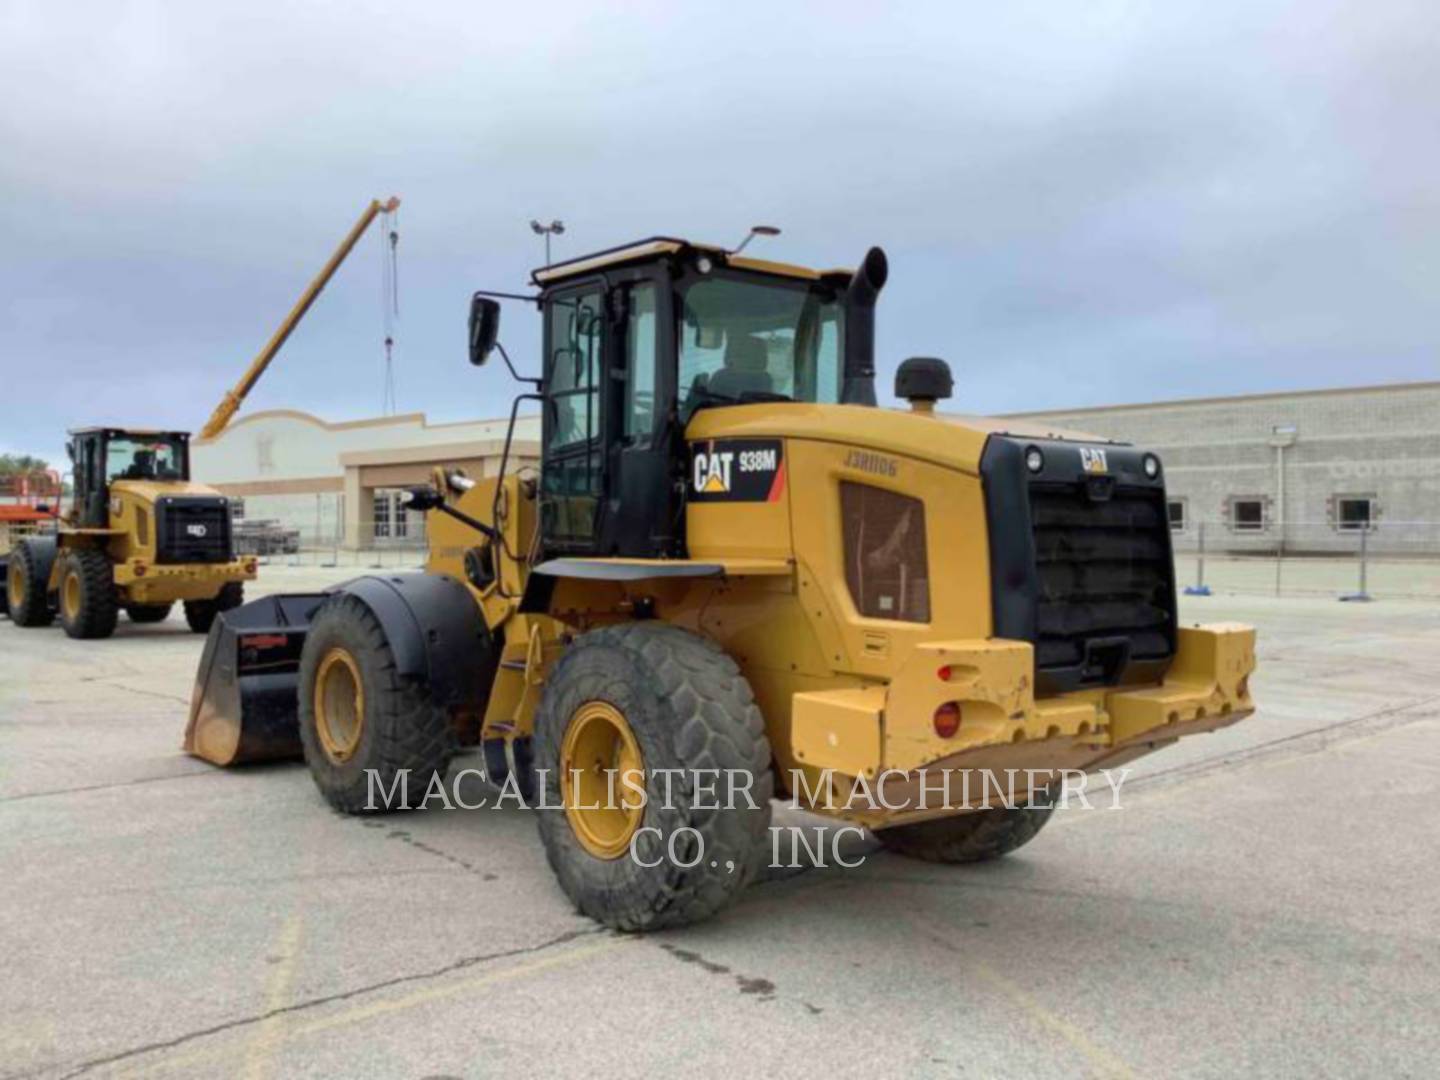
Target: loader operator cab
column 101, row 456
column 637, row 339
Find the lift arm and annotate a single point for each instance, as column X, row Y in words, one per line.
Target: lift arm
column 233, row 398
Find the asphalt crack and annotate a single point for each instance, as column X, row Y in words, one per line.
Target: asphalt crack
column 1301, row 743
column 454, row 860
column 106, row 787
column 764, row 989
column 462, row 964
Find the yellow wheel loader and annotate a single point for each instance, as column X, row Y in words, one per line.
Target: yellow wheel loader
column 733, row 577
column 138, row 536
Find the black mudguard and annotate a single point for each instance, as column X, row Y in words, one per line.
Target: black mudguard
column 436, row 633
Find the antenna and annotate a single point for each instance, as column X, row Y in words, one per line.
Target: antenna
column 756, row 230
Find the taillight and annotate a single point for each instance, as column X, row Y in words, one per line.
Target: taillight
column 947, row 720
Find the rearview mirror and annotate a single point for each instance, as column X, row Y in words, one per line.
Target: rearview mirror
column 484, row 328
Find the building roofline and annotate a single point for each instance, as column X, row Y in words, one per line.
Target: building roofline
column 1269, row 395
column 406, row 419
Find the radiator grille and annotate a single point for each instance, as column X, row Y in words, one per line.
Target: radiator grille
column 195, row 530
column 1103, row 573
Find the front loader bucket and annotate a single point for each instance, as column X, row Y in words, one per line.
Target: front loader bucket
column 245, row 704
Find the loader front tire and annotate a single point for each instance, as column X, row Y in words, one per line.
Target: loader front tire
column 88, row 605
column 200, row 614
column 27, row 580
column 373, row 739
column 674, row 707
column 148, row 613
column 973, row 837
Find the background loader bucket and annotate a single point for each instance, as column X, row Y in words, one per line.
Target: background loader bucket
column 245, row 704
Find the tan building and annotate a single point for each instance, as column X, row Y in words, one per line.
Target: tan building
column 337, row 484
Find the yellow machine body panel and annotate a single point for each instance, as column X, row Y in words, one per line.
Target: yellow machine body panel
column 845, row 690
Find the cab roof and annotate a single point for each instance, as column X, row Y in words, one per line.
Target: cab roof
column 146, row 432
column 657, row 246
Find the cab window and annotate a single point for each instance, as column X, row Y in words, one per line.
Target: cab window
column 747, row 339
column 144, row 458
column 640, row 359
column 576, row 330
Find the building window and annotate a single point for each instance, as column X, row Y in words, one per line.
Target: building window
column 1176, row 510
column 1355, row 513
column 381, row 506
column 1247, row 513
column 237, row 508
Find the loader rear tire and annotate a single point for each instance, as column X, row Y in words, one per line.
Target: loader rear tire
column 679, row 704
column 148, row 613
column 27, row 579
column 200, row 614
column 972, row 837
column 360, row 718
column 89, row 607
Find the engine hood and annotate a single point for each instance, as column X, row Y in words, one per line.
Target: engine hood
column 152, row 491
column 950, row 440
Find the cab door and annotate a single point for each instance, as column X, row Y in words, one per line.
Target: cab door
column 572, row 468
column 641, row 517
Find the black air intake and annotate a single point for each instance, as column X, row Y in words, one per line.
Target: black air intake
column 1104, row 573
column 192, row 529
column 1080, row 561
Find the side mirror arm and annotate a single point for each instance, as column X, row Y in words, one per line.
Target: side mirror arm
column 426, row 497
column 537, row 383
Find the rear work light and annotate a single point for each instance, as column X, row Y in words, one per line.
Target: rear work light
column 947, row 719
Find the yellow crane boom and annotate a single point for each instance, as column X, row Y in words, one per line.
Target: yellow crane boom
column 233, row 398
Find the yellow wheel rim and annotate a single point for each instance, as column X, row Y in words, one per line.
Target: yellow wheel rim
column 70, row 593
column 15, row 584
column 598, row 755
column 339, row 705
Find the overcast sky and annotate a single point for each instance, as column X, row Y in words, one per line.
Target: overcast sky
column 1083, row 203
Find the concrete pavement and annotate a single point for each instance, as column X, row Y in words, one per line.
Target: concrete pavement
column 1264, row 904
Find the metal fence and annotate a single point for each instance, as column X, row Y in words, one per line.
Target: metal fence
column 1399, row 560
column 1383, row 560
column 380, row 547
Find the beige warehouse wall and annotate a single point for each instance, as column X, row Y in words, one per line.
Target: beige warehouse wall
column 321, row 477
column 1381, row 442
column 289, row 445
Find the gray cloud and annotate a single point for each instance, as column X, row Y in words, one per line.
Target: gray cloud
column 1082, row 204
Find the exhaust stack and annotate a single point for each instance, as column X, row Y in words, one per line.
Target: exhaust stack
column 859, row 384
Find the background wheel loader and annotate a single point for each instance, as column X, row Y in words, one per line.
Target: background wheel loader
column 730, row 570
column 137, row 536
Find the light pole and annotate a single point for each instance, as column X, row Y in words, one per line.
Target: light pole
column 555, row 228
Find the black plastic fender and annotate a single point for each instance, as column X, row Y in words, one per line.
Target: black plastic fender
column 436, row 632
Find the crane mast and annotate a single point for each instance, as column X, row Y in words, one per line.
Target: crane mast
column 235, row 396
